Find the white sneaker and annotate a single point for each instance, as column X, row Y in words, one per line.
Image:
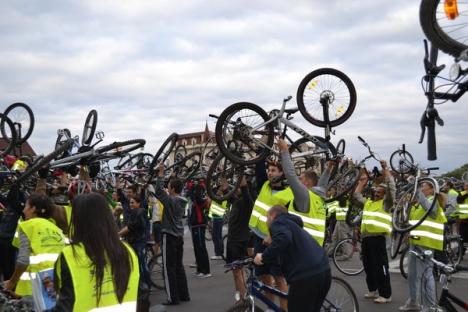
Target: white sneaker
column 371, row 295
column 216, row 258
column 381, row 299
column 410, row 306
column 201, row 275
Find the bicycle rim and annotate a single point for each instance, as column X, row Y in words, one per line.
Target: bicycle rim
column 8, row 134
column 221, row 171
column 326, row 84
column 340, row 297
column 347, row 257
column 89, row 127
column 449, row 35
column 401, row 162
column 236, row 137
column 21, row 114
column 342, row 184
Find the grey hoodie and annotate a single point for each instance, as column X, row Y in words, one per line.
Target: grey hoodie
column 173, row 212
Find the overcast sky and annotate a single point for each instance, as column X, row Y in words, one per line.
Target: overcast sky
column 154, row 67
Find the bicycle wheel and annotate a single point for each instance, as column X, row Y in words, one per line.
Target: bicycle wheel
column 340, row 147
column 61, row 138
column 89, row 127
column 222, row 171
column 347, row 256
column 164, row 151
column 401, row 212
column 22, row 115
column 404, row 263
column 119, row 148
column 340, row 297
column 309, row 153
column 8, row 134
column 43, row 162
column 235, row 136
column 401, row 161
column 342, row 184
column 449, row 35
column 188, row 166
column 395, row 243
column 155, row 267
column 332, row 86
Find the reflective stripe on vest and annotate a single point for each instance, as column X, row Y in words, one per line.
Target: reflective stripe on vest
column 375, row 219
column 217, row 209
column 314, row 220
column 264, row 201
column 84, row 282
column 430, row 233
column 47, row 241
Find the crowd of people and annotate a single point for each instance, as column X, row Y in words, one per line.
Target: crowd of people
column 98, row 236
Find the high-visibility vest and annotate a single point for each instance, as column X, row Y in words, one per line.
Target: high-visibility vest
column 265, row 200
column 217, row 209
column 84, row 283
column 68, row 213
column 462, row 209
column 375, row 219
column 430, row 233
column 314, row 220
column 47, row 241
column 341, row 213
column 331, row 208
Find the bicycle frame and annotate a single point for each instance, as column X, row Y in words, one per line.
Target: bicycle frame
column 280, row 120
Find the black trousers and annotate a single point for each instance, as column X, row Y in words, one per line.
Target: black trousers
column 199, row 248
column 7, row 259
column 308, row 294
column 375, row 260
column 174, row 272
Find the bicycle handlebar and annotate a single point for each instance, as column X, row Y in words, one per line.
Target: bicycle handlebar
column 213, row 116
column 362, row 140
column 287, row 99
column 237, row 264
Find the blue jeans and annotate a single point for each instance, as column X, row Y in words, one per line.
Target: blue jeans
column 139, row 248
column 420, row 273
column 218, row 236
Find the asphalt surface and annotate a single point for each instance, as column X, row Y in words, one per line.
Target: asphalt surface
column 217, row 292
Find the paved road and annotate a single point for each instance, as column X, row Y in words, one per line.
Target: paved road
column 217, row 293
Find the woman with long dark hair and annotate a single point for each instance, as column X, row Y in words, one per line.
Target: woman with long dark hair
column 97, row 270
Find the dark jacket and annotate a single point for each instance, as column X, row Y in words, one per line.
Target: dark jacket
column 174, row 208
column 301, row 255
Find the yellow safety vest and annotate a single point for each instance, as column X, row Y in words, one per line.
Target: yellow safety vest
column 265, row 200
column 314, row 220
column 84, row 281
column 375, row 219
column 430, row 233
column 217, row 209
column 331, row 208
column 47, row 241
column 462, row 209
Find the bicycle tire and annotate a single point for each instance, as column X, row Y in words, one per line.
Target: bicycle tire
column 8, row 134
column 43, row 162
column 401, row 212
column 60, row 139
column 89, row 127
column 355, row 268
column 401, row 161
column 308, row 80
column 155, row 267
column 303, row 145
column 244, row 306
column 30, row 118
column 403, row 264
column 431, row 25
column 341, row 146
column 395, row 244
column 163, row 152
column 233, row 174
column 119, row 148
column 189, row 166
column 340, row 297
column 343, row 183
column 240, row 139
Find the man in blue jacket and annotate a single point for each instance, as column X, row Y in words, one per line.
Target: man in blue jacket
column 304, row 262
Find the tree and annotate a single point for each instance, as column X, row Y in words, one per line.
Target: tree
column 457, row 173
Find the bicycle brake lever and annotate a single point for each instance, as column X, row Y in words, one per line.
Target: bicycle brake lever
column 423, row 124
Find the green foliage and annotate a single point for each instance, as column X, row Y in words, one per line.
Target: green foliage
column 457, row 173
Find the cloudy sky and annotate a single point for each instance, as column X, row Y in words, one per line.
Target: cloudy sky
column 151, row 67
